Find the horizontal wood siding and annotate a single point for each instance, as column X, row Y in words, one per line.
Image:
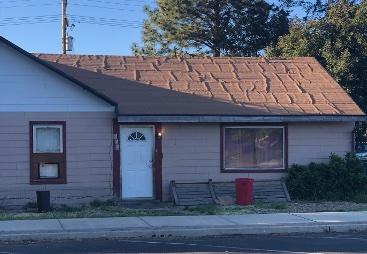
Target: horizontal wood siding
column 315, row 141
column 89, row 158
column 191, row 152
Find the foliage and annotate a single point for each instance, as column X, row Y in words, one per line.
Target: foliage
column 278, row 206
column 229, row 27
column 338, row 41
column 340, row 179
column 312, row 8
column 30, row 205
column 98, row 203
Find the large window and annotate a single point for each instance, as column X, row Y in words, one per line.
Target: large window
column 252, row 148
column 48, row 160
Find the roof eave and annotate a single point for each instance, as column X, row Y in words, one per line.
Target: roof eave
column 238, row 119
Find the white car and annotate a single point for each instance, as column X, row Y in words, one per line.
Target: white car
column 362, row 155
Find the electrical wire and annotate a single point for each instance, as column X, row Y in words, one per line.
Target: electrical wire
column 75, row 4
column 107, row 8
column 101, row 19
column 73, row 19
column 29, row 19
column 143, row 2
column 15, row 1
column 104, row 21
column 24, row 6
column 113, row 3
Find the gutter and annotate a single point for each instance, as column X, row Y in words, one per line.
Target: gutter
column 238, row 119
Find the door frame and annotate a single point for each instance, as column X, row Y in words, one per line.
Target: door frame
column 157, row 157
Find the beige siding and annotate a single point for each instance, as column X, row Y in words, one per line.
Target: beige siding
column 191, row 152
column 88, row 154
column 315, row 141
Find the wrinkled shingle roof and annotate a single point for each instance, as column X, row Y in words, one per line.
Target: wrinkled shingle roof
column 207, row 86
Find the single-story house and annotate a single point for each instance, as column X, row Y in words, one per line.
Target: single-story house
column 91, row 127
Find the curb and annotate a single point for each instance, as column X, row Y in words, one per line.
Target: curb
column 183, row 232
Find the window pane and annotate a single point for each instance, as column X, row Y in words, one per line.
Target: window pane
column 253, row 148
column 48, row 140
column 48, row 170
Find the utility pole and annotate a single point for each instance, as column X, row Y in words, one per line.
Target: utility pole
column 63, row 25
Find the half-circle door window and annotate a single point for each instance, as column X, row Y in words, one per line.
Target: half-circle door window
column 48, row 155
column 136, row 136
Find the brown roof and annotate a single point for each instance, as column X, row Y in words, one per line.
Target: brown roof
column 210, row 86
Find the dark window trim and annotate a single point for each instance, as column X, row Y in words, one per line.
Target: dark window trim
column 59, row 158
column 254, row 170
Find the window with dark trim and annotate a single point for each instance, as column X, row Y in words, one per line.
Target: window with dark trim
column 253, row 148
column 47, row 152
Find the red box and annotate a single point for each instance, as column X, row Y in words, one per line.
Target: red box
column 244, row 191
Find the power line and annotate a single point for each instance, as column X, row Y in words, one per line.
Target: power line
column 28, row 21
column 28, row 5
column 92, row 18
column 119, row 3
column 104, row 21
column 76, row 4
column 15, row 1
column 106, row 8
column 31, row 17
column 73, row 18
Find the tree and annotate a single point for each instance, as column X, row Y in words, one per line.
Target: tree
column 312, row 8
column 339, row 43
column 229, row 27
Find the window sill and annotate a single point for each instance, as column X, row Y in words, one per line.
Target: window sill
column 257, row 171
column 47, row 181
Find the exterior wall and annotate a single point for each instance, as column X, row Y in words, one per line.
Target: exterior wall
column 191, row 152
column 88, row 155
column 27, row 86
column 309, row 142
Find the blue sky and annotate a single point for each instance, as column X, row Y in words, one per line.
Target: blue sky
column 34, row 24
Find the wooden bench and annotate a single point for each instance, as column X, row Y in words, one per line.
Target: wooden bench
column 199, row 193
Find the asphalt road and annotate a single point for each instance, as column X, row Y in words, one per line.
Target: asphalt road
column 311, row 243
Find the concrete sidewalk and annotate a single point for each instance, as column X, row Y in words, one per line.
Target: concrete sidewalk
column 182, row 226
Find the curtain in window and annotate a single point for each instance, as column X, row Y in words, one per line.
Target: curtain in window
column 48, row 140
column 253, row 148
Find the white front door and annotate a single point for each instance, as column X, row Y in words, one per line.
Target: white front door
column 136, row 143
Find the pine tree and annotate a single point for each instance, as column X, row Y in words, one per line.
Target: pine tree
column 211, row 27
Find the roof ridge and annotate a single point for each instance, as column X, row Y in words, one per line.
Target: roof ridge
column 260, row 58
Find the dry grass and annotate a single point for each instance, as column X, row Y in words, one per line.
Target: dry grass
column 99, row 209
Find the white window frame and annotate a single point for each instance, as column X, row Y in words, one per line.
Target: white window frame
column 56, row 126
column 252, row 127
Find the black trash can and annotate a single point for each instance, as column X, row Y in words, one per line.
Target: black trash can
column 43, row 201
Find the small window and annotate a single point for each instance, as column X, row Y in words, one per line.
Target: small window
column 48, row 170
column 47, row 139
column 48, row 155
column 253, row 148
column 136, row 136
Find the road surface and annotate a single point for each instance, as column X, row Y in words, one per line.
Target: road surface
column 306, row 243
